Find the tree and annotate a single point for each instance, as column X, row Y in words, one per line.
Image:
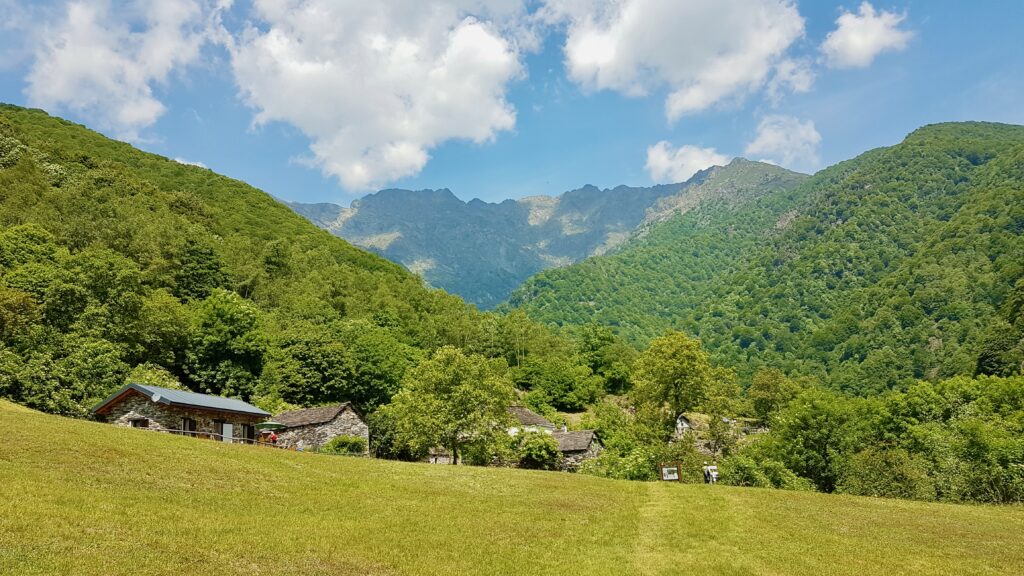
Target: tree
column 812, row 435
column 538, row 451
column 453, row 401
column 559, row 383
column 199, row 271
column 889, row 473
column 770, row 391
column 673, row 372
column 226, row 352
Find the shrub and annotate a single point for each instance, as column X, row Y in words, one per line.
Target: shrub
column 892, row 473
column 345, row 445
column 743, row 470
column 538, row 451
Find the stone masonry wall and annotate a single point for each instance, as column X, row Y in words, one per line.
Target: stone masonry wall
column 136, row 406
column 571, row 460
column 347, row 423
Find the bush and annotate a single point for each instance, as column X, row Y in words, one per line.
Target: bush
column 345, row 445
column 743, row 470
column 538, row 451
column 892, row 473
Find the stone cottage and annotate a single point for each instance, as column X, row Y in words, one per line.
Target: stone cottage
column 527, row 420
column 577, row 446
column 188, row 413
column 314, row 427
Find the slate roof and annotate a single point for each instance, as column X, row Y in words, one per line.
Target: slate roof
column 184, row 398
column 575, row 441
column 528, row 417
column 308, row 416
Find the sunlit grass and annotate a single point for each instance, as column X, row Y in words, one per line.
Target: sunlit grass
column 86, row 498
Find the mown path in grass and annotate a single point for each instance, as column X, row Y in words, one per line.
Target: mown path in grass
column 85, row 498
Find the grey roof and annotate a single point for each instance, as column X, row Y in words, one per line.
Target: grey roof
column 308, row 416
column 575, row 441
column 528, row 417
column 184, row 398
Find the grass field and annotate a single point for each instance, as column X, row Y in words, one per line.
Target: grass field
column 85, row 498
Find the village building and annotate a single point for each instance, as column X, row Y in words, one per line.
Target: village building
column 683, row 425
column 527, row 420
column 314, row 427
column 577, row 446
column 182, row 412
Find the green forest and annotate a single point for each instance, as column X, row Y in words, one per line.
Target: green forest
column 905, row 263
column 861, row 333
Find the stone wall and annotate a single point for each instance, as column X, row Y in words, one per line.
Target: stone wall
column 162, row 416
column 347, row 423
column 571, row 460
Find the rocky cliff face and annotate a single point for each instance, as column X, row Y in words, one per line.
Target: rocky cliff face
column 482, row 251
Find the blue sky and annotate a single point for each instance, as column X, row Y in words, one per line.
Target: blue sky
column 317, row 100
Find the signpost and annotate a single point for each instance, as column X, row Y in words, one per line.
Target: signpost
column 670, row 472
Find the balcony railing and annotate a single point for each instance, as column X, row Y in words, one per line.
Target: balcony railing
column 204, row 435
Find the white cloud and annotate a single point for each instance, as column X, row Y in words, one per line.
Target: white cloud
column 190, row 162
column 102, row 62
column 705, row 51
column 786, row 141
column 666, row 164
column 792, row 76
column 859, row 38
column 376, row 85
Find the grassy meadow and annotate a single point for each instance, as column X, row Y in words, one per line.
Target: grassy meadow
column 85, row 498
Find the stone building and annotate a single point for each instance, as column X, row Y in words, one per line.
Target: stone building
column 527, row 420
column 189, row 413
column 577, row 446
column 314, row 427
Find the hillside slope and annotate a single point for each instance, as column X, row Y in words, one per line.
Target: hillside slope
column 116, row 262
column 85, row 498
column 482, row 251
column 894, row 266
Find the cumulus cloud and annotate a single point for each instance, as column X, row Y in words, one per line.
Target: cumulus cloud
column 102, row 62
column 859, row 38
column 666, row 164
column 705, row 51
column 790, row 76
column 376, row 85
column 786, row 141
column 190, row 162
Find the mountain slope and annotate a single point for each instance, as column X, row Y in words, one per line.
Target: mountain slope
column 876, row 271
column 85, row 498
column 116, row 262
column 482, row 251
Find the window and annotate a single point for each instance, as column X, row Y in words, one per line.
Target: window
column 249, row 431
column 218, row 427
column 140, row 423
column 188, row 426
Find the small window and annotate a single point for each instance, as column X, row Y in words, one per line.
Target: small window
column 218, row 427
column 188, row 426
column 250, row 432
column 140, row 423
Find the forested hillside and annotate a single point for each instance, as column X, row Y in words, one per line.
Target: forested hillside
column 120, row 265
column 905, row 263
column 482, row 251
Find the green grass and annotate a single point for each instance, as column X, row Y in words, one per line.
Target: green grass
column 85, row 498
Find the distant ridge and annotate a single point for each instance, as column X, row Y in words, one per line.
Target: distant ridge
column 482, row 251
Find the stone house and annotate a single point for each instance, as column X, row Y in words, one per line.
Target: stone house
column 527, row 420
column 577, row 446
column 314, row 427
column 188, row 413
